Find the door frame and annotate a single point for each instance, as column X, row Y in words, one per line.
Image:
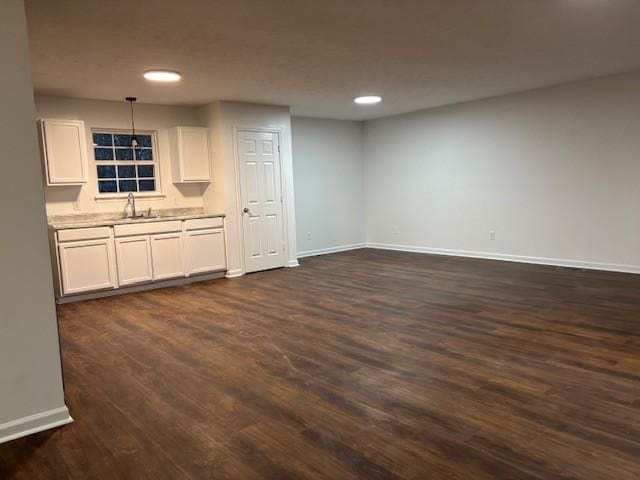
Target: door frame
column 283, row 191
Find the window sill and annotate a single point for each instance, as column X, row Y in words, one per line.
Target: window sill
column 123, row 196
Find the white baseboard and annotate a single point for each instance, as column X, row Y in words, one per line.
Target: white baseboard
column 612, row 267
column 558, row 262
column 234, row 273
column 293, row 263
column 34, row 424
column 324, row 251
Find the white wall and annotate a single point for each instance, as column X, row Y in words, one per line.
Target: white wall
column 116, row 115
column 221, row 195
column 328, row 175
column 554, row 172
column 31, row 394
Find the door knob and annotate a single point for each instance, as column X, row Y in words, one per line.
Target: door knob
column 245, row 210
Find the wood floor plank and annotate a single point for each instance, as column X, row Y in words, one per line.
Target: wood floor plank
column 364, row 364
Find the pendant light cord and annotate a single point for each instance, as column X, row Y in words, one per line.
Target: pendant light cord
column 133, row 123
column 134, row 139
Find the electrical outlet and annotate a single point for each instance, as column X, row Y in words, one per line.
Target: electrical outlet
column 308, row 235
column 492, row 235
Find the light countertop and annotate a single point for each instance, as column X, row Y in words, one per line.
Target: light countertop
column 60, row 222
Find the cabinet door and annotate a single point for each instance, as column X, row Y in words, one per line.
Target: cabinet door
column 65, row 152
column 167, row 256
column 191, row 152
column 86, row 266
column 205, row 250
column 195, row 154
column 134, row 260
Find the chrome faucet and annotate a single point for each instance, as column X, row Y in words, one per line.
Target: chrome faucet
column 131, row 200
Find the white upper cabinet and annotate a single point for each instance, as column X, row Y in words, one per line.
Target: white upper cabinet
column 64, row 150
column 190, row 154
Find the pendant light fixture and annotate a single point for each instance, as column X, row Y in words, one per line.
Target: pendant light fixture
column 134, row 138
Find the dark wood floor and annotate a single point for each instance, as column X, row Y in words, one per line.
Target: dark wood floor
column 366, row 364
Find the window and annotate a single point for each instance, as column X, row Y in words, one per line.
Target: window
column 122, row 168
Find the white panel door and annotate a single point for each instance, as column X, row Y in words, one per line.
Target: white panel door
column 261, row 192
column 65, row 152
column 134, row 260
column 167, row 256
column 205, row 250
column 86, row 266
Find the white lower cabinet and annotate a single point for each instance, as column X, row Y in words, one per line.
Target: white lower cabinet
column 205, row 250
column 99, row 258
column 167, row 256
column 134, row 260
column 87, row 266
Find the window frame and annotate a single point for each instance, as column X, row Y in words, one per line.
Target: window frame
column 158, row 192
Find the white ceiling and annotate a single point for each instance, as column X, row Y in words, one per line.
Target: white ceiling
column 317, row 55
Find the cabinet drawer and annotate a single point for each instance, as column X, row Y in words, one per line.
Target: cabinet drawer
column 147, row 228
column 200, row 223
column 73, row 234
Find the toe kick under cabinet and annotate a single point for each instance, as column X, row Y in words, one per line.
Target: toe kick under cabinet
column 107, row 258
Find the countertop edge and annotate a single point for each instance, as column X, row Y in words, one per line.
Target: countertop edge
column 111, row 223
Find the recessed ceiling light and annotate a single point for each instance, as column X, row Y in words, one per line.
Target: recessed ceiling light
column 162, row 76
column 367, row 100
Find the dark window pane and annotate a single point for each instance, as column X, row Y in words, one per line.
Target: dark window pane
column 144, row 154
column 144, row 140
column 124, row 154
column 121, row 140
column 145, row 170
column 106, row 171
column 107, row 187
column 127, row 171
column 103, row 153
column 128, row 186
column 147, row 185
column 102, row 139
